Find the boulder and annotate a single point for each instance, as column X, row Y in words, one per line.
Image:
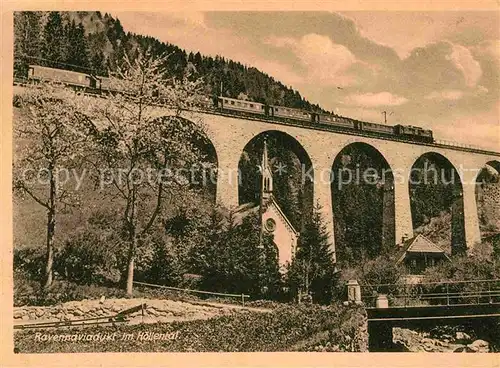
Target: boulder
column 18, row 313
column 480, row 346
column 83, row 308
column 153, row 312
column 462, row 336
column 442, row 343
column 426, row 340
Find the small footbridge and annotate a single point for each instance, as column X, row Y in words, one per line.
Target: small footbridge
column 424, row 304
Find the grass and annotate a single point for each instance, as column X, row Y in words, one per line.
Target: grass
column 28, row 292
column 281, row 330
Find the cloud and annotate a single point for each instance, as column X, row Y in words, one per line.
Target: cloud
column 316, row 50
column 480, row 129
column 375, row 99
column 279, row 71
column 436, row 67
column 404, row 31
column 401, row 31
column 279, row 41
column 190, row 18
column 455, row 94
column 323, row 59
column 449, row 94
column 490, row 48
column 465, row 62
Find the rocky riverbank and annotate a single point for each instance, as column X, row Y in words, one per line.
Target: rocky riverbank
column 445, row 340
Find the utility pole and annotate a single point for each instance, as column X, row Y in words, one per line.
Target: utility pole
column 385, row 116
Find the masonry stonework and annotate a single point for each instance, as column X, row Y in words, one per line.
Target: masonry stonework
column 229, row 135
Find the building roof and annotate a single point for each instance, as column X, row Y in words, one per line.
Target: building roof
column 246, row 209
column 419, row 244
column 242, row 211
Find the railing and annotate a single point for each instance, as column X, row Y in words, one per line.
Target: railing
column 458, row 144
column 325, row 127
column 345, row 130
column 241, row 296
column 440, row 293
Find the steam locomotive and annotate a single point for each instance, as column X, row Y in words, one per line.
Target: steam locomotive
column 97, row 84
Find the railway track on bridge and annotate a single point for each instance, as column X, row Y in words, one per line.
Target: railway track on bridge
column 317, row 127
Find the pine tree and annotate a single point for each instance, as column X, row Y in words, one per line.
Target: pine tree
column 312, row 270
column 98, row 63
column 77, row 50
column 27, row 41
column 271, row 278
column 53, row 46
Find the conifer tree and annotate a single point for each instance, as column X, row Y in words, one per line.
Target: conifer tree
column 98, row 63
column 27, row 40
column 77, row 49
column 53, row 46
column 271, row 279
column 312, row 270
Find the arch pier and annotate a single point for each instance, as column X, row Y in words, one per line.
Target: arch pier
column 229, row 136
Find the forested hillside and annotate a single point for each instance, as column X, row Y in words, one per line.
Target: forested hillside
column 94, row 43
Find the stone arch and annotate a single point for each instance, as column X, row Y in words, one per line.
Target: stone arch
column 487, row 193
column 362, row 189
column 436, row 201
column 292, row 187
column 204, row 177
column 495, row 164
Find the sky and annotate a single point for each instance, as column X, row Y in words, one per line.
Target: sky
column 438, row 70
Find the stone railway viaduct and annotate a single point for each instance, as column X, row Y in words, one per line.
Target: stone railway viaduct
column 229, row 136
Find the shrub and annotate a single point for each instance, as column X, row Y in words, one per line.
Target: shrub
column 30, row 292
column 381, row 270
column 480, row 264
column 87, row 259
column 17, row 100
column 25, row 288
column 159, row 263
column 30, row 260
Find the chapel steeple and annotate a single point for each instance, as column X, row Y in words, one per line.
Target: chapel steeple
column 267, row 175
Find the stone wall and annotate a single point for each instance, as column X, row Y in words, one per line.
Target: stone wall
column 155, row 311
column 489, row 203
